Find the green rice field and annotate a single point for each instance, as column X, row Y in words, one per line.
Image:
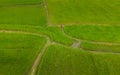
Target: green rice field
column 59, row 37
column 59, row 60
column 15, row 2
column 17, row 52
column 84, row 11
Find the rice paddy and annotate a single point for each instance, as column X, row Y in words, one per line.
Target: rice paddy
column 59, row 37
column 18, row 51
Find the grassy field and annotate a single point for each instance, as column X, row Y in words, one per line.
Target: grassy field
column 94, row 33
column 100, row 47
column 18, row 52
column 107, row 64
column 59, row 37
column 15, row 2
column 59, row 60
column 84, row 11
column 23, row 15
column 96, row 38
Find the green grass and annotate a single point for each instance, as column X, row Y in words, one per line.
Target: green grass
column 17, row 52
column 15, row 2
column 84, row 11
column 95, row 33
column 107, row 64
column 23, row 15
column 100, row 47
column 59, row 60
column 54, row 33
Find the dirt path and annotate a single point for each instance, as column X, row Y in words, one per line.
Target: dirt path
column 76, row 44
column 21, row 32
column 76, row 41
column 102, row 52
column 47, row 12
column 102, row 43
column 87, row 23
column 37, row 60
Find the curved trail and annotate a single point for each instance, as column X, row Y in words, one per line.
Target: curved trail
column 47, row 12
column 21, row 32
column 37, row 60
column 76, row 41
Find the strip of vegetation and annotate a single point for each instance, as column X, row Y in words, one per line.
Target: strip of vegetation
column 54, row 33
column 100, row 47
column 16, row 2
column 25, row 15
column 107, row 64
column 84, row 11
column 94, row 33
